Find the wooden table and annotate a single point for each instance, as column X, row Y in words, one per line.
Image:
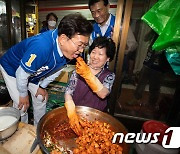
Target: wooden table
column 21, row 141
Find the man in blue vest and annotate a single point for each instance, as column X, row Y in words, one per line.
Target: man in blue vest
column 104, row 23
column 36, row 61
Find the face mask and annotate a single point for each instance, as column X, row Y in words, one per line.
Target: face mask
column 52, row 23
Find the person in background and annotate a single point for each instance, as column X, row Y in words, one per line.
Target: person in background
column 36, row 61
column 90, row 84
column 51, row 22
column 104, row 23
column 152, row 72
column 129, row 59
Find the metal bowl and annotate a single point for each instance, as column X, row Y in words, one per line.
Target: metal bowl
column 11, row 127
column 59, row 115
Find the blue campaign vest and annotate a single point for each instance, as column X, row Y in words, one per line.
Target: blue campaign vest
column 97, row 31
column 52, row 60
column 46, row 60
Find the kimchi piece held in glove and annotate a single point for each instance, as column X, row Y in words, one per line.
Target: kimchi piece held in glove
column 84, row 71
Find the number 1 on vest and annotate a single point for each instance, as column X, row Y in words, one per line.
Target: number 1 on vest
column 31, row 59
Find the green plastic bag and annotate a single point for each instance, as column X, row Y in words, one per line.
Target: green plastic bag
column 158, row 16
column 164, row 19
column 170, row 36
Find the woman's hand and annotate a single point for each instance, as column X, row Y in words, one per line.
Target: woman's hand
column 84, row 71
column 82, row 68
column 73, row 117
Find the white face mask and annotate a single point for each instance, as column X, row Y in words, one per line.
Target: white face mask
column 52, row 23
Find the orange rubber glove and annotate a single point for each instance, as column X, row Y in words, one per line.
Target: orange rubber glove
column 73, row 117
column 84, row 71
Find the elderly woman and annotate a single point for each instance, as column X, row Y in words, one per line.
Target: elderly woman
column 90, row 84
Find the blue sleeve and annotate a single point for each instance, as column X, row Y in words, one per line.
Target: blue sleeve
column 36, row 54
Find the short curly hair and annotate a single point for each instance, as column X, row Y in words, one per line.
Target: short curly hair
column 104, row 42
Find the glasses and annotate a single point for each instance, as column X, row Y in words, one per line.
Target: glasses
column 79, row 47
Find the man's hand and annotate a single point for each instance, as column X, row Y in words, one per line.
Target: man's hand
column 43, row 93
column 84, row 71
column 73, row 117
column 23, row 103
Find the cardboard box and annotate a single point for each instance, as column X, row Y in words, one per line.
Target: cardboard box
column 65, row 74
